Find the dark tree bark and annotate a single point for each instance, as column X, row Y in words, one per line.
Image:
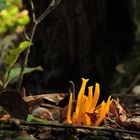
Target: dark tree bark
column 80, row 38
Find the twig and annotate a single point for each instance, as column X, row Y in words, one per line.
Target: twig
column 112, row 121
column 51, row 7
column 82, row 127
column 26, row 35
column 52, row 125
column 33, row 11
column 28, row 49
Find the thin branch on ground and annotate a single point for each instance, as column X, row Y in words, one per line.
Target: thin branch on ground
column 52, row 125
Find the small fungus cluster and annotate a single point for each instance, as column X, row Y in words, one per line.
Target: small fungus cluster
column 86, row 107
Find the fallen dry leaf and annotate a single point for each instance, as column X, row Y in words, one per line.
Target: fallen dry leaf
column 43, row 113
column 14, row 104
column 35, row 103
column 117, row 112
column 54, row 98
column 4, row 117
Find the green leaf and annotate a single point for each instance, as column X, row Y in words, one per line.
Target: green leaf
column 14, row 73
column 30, row 69
column 13, row 54
column 31, row 118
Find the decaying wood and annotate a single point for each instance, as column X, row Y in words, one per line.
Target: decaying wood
column 64, row 130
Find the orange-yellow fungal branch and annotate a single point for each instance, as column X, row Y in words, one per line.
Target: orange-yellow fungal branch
column 103, row 112
column 80, row 96
column 87, row 104
column 95, row 98
column 90, row 94
column 69, row 121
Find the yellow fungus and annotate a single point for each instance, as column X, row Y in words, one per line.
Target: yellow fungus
column 95, row 98
column 103, row 112
column 87, row 104
column 69, row 121
column 80, row 95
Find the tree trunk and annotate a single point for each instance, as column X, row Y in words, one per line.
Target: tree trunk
column 82, row 38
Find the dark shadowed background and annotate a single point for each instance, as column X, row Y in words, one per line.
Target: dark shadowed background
column 80, row 38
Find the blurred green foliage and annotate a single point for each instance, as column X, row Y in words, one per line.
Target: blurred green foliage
column 11, row 58
column 12, row 73
column 12, row 23
column 13, row 19
column 3, row 5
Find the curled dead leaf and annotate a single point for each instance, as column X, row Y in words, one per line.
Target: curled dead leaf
column 43, row 113
column 14, row 104
column 117, row 113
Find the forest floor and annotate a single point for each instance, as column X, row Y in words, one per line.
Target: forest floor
column 22, row 130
